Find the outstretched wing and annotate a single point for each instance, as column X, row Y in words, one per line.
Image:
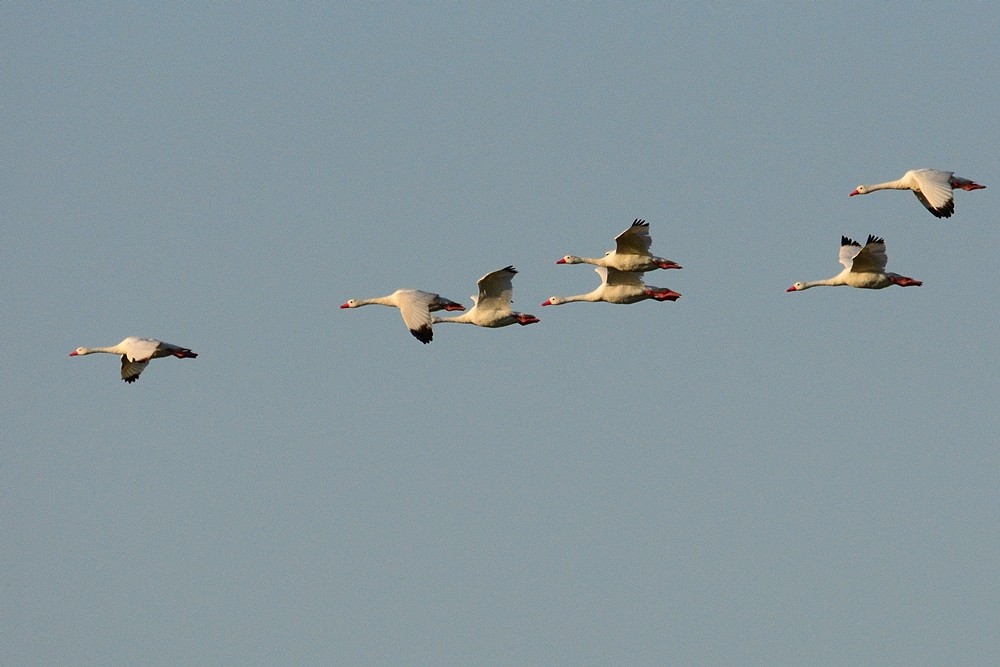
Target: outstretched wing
column 414, row 306
column 132, row 368
column 496, row 289
column 849, row 249
column 635, row 240
column 871, row 258
column 935, row 191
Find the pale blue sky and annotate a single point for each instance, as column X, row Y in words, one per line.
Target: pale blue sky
column 744, row 476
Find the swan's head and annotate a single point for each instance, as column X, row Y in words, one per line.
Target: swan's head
column 524, row 319
column 860, row 190
column 553, row 301
column 79, row 351
column 797, row 287
column 569, row 259
column 350, row 303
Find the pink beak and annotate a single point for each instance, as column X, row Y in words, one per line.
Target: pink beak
column 791, row 289
column 344, row 305
column 73, row 353
column 547, row 302
column 560, row 261
column 853, row 193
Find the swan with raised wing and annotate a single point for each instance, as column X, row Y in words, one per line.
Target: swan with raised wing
column 864, row 267
column 631, row 252
column 491, row 308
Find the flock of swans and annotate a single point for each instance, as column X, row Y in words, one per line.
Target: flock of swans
column 864, row 267
column 621, row 271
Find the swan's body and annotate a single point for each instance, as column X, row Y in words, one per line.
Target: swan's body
column 492, row 307
column 136, row 354
column 618, row 287
column 414, row 305
column 932, row 187
column 631, row 252
column 863, row 268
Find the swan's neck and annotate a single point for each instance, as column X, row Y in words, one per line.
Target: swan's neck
column 464, row 318
column 107, row 350
column 589, row 296
column 899, row 184
column 826, row 282
column 596, row 261
column 377, row 300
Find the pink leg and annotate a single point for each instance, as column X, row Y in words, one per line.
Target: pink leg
column 663, row 295
column 966, row 184
column 903, row 281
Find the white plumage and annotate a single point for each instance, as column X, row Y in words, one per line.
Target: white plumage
column 864, row 267
column 631, row 252
column 932, row 187
column 414, row 305
column 491, row 308
column 136, row 354
column 620, row 287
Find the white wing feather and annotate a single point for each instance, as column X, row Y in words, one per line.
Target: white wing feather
column 935, row 186
column 635, row 240
column 496, row 289
column 621, row 278
column 139, row 349
column 847, row 254
column 414, row 306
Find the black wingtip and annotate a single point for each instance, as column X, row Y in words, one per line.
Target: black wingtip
column 640, row 223
column 845, row 240
column 423, row 334
column 943, row 212
column 874, row 239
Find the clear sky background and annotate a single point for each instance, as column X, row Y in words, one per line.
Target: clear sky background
column 744, row 476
